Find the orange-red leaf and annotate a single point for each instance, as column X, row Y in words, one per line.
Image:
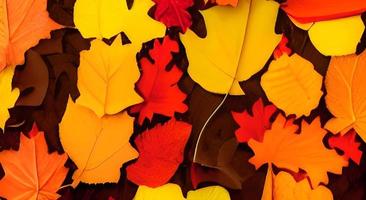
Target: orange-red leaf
column 348, row 144
column 157, row 85
column 161, row 151
column 31, row 172
column 253, row 126
column 283, row 147
column 22, row 24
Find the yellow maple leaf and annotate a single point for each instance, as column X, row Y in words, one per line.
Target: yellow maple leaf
column 292, row 84
column 98, row 146
column 106, row 18
column 284, row 148
column 8, row 96
column 107, row 77
column 345, row 83
column 232, row 52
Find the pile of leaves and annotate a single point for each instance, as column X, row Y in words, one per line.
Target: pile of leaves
column 182, row 99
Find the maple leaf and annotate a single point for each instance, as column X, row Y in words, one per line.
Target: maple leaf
column 174, row 13
column 160, row 163
column 98, row 146
column 158, row 86
column 22, row 24
column 348, row 144
column 253, row 126
column 284, row 148
column 31, row 172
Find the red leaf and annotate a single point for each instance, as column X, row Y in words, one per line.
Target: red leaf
column 158, row 86
column 253, row 126
column 282, row 48
column 161, row 151
column 348, row 144
column 174, row 13
column 306, row 11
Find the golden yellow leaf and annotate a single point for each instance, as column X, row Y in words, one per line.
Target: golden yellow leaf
column 107, row 77
column 106, row 18
column 345, row 83
column 292, row 84
column 286, row 188
column 335, row 37
column 98, row 146
column 172, row 191
column 232, row 52
column 8, row 96
column 283, row 147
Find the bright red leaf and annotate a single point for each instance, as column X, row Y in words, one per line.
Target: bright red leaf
column 282, row 48
column 306, row 11
column 348, row 144
column 174, row 13
column 253, row 126
column 158, row 86
column 161, row 151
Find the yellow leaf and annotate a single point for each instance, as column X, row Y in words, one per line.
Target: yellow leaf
column 345, row 83
column 209, row 193
column 232, row 50
column 283, row 147
column 172, row 191
column 106, row 18
column 267, row 193
column 98, row 146
column 165, row 192
column 335, row 37
column 107, row 77
column 286, row 188
column 8, row 96
column 293, row 85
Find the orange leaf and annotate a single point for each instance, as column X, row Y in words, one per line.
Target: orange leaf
column 345, row 83
column 283, row 147
column 22, row 24
column 32, row 173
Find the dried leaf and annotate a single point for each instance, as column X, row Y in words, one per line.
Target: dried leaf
column 98, row 146
column 345, row 83
column 284, row 148
column 31, row 172
column 107, row 76
column 292, row 84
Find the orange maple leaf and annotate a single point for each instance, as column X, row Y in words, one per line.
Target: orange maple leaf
column 22, row 24
column 283, row 147
column 31, row 172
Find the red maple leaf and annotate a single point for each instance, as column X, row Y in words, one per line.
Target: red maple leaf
column 253, row 126
column 161, row 150
column 348, row 144
column 174, row 13
column 282, row 48
column 158, row 86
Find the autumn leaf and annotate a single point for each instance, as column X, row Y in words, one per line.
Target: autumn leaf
column 292, row 84
column 345, row 83
column 174, row 13
column 283, row 147
column 313, row 10
column 98, row 146
column 172, row 191
column 286, row 187
column 348, row 144
column 106, row 18
column 253, row 126
column 8, row 95
column 327, row 38
column 231, row 52
column 157, row 85
column 161, row 163
column 107, row 76
column 233, row 3
column 22, row 24
column 31, row 172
